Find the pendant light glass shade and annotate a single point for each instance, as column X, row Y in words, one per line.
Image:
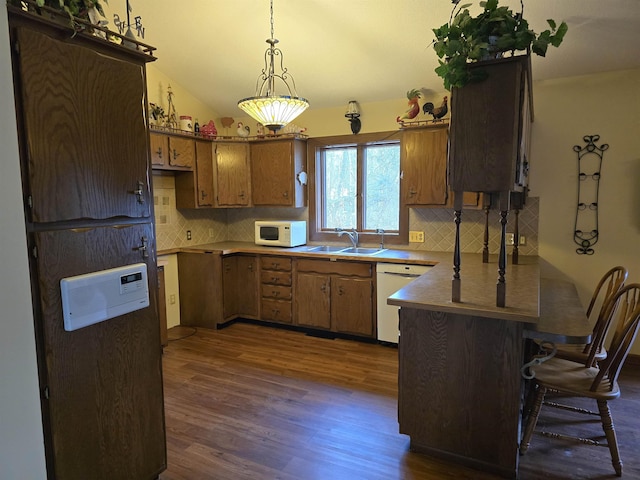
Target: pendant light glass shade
column 270, row 109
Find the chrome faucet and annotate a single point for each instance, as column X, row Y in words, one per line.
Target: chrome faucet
column 353, row 236
column 381, row 232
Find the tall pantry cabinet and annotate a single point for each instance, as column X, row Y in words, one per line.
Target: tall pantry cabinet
column 80, row 107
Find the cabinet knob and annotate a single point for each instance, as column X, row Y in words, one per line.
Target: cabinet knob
column 203, row 194
column 274, row 279
column 285, row 194
column 340, row 291
column 323, row 287
column 175, row 154
column 241, row 194
column 159, row 152
column 412, row 191
column 275, row 293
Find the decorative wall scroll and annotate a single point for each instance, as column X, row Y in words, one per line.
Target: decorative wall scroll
column 589, row 172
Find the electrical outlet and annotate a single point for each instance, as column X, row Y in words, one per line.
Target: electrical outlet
column 188, row 234
column 172, row 299
column 416, row 237
column 523, row 240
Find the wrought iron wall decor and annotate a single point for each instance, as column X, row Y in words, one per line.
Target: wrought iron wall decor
column 586, row 225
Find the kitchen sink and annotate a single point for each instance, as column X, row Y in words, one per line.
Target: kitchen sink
column 363, row 250
column 325, row 248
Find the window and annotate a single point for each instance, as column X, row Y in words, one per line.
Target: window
column 356, row 185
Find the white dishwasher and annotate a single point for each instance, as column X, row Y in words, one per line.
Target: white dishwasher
column 391, row 277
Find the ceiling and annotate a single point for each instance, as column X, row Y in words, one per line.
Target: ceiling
column 367, row 50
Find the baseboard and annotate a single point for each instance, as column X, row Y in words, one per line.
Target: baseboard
column 632, row 361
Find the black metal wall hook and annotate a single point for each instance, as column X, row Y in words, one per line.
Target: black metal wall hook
column 585, row 231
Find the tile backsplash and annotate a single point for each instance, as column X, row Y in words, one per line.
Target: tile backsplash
column 217, row 225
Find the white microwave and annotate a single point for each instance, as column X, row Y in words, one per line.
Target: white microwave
column 281, row 233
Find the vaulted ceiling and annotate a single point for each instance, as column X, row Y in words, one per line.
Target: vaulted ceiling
column 368, row 50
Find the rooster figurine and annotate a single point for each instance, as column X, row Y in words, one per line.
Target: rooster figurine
column 243, row 130
column 414, row 106
column 437, row 113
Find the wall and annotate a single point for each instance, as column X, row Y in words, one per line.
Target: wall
column 21, row 437
column 607, row 104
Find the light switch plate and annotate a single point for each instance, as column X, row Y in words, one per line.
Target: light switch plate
column 416, row 237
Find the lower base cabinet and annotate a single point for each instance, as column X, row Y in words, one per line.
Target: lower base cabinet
column 201, row 289
column 240, row 286
column 335, row 296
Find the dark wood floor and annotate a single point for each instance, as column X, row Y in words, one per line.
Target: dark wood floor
column 253, row 402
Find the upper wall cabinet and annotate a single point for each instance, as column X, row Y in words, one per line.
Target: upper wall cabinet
column 169, row 152
column 275, row 169
column 73, row 102
column 232, row 177
column 424, row 166
column 194, row 188
column 490, row 126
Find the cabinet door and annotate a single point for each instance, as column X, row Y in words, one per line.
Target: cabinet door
column 230, row 286
column 104, row 406
column 201, row 289
column 248, row 287
column 272, row 173
column 352, row 305
column 233, row 187
column 74, row 102
column 424, row 166
column 204, row 173
column 182, row 152
column 159, row 145
column 312, row 300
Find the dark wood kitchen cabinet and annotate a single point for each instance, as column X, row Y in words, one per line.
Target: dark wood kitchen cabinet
column 335, row 296
column 201, row 289
column 84, row 155
column 241, row 286
column 232, row 176
column 490, row 129
column 275, row 166
column 423, row 163
column 194, row 189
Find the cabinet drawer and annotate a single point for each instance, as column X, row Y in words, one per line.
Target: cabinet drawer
column 275, row 278
column 276, row 291
column 276, row 311
column 275, row 263
column 354, row 269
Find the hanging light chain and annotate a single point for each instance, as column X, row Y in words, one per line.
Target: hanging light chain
column 271, row 12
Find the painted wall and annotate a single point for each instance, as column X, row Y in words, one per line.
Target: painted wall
column 566, row 110
column 21, row 437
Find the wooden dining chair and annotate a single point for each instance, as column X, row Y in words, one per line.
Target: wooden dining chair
column 594, row 351
column 566, row 377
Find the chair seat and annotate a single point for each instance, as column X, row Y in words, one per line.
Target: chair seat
column 577, row 353
column 574, row 378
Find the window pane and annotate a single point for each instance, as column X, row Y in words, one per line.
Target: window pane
column 382, row 188
column 341, row 177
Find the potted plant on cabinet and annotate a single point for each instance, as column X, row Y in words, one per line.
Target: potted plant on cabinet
column 73, row 8
column 494, row 32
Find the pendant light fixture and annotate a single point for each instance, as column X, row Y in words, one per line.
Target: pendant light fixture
column 270, row 109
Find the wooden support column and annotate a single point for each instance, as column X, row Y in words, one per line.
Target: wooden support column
column 455, row 282
column 501, row 287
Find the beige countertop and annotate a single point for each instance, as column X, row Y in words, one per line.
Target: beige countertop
column 390, row 255
column 551, row 308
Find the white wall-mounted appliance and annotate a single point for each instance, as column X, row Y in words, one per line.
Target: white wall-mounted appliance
column 98, row 296
column 281, row 233
column 391, row 277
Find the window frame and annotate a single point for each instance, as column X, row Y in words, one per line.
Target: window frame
column 314, row 155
